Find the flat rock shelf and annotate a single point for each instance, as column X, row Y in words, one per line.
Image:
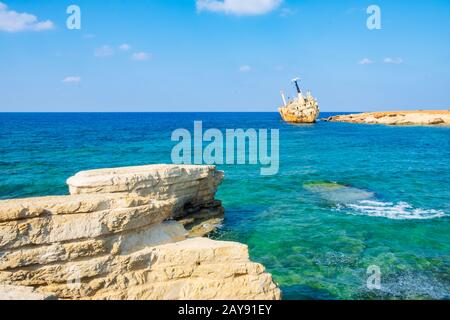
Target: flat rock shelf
column 436, row 117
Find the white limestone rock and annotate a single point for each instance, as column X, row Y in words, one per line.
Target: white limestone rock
column 115, row 238
column 23, row 293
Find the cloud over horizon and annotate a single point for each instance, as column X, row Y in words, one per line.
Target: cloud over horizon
column 12, row 21
column 393, row 60
column 365, row 61
column 125, row 47
column 245, row 68
column 104, row 51
column 72, row 79
column 238, row 7
column 140, row 56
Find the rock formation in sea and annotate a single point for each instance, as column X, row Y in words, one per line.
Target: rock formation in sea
column 422, row 117
column 301, row 109
column 126, row 233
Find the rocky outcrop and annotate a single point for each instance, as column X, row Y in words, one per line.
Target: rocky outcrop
column 304, row 111
column 126, row 233
column 397, row 118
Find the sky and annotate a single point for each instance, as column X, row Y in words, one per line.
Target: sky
column 222, row 55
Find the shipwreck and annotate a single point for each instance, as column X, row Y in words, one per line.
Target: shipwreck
column 300, row 109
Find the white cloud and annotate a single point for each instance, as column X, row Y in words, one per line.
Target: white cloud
column 103, row 52
column 365, row 61
column 245, row 68
column 355, row 10
column 125, row 47
column 12, row 21
column 72, row 79
column 140, row 56
column 239, row 7
column 393, row 60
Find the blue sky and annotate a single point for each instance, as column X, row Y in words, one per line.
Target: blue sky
column 204, row 55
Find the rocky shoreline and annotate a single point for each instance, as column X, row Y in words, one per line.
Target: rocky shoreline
column 435, row 117
column 126, row 233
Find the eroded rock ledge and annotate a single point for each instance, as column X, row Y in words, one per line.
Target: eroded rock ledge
column 126, row 233
column 439, row 117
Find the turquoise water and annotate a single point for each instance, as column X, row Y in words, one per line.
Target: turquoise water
column 346, row 197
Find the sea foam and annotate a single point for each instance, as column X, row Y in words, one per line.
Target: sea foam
column 390, row 210
column 356, row 201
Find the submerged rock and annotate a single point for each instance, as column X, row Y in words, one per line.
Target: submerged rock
column 337, row 193
column 356, row 201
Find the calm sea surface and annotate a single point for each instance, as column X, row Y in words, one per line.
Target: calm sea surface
column 346, row 197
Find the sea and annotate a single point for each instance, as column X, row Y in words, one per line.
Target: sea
column 354, row 212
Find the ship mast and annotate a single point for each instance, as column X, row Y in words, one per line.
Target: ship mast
column 299, row 92
column 295, row 81
column 284, row 98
